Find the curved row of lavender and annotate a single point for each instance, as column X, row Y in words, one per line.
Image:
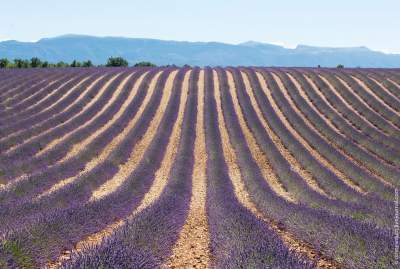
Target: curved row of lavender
column 31, row 97
column 373, row 116
column 17, row 82
column 324, row 177
column 369, row 99
column 359, row 175
column 387, row 80
column 359, row 242
column 371, row 147
column 63, row 87
column 30, row 163
column 353, row 229
column 80, row 220
column 42, row 122
column 358, row 206
column 362, row 129
column 43, row 179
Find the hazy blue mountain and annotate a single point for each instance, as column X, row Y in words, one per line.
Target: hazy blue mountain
column 98, row 49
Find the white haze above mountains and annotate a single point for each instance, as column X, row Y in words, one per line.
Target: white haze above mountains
column 78, row 47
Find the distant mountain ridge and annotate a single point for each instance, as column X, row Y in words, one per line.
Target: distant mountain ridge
column 80, row 47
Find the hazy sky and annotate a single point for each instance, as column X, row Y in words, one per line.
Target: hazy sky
column 372, row 23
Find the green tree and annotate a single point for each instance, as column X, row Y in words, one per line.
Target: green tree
column 62, row 64
column 340, row 66
column 18, row 63
column 36, row 62
column 87, row 63
column 4, row 63
column 25, row 64
column 116, row 61
column 45, row 64
column 144, row 64
column 75, row 63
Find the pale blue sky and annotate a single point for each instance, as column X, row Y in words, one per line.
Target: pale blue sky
column 372, row 23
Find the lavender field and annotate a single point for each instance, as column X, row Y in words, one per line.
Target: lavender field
column 171, row 167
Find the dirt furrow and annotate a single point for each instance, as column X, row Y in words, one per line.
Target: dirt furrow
column 78, row 146
column 384, row 88
column 98, row 114
column 8, row 106
column 56, row 141
column 16, row 90
column 304, row 95
column 108, row 149
column 394, row 82
column 299, row 138
column 312, row 127
column 301, row 92
column 140, row 148
column 242, row 195
column 161, row 176
column 10, row 136
column 55, row 91
column 348, row 105
column 375, row 96
column 70, row 91
column 296, row 166
column 160, row 179
column 192, row 247
column 259, row 156
column 364, row 103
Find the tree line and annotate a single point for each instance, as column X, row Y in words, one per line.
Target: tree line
column 35, row 62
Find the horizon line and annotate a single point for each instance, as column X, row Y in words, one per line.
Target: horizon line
column 274, row 43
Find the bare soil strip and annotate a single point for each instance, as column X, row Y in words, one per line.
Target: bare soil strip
column 376, row 97
column 64, row 109
column 364, row 103
column 192, row 247
column 140, row 148
column 305, row 97
column 108, row 149
column 56, row 141
column 348, row 105
column 394, row 82
column 55, row 91
column 91, row 240
column 242, row 195
column 296, row 166
column 311, row 126
column 114, row 96
column 12, row 93
column 384, row 88
column 78, row 146
column 65, row 95
column 51, row 82
column 312, row 151
column 259, row 156
column 161, row 175
column 84, row 93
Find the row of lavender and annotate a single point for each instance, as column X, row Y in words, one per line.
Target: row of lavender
column 342, row 238
column 65, row 205
column 17, row 156
column 43, row 179
column 366, row 159
column 21, row 159
column 34, row 224
column 147, row 240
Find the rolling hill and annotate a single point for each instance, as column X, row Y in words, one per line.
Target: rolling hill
column 98, row 49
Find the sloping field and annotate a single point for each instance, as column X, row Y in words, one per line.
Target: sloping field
column 199, row 168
